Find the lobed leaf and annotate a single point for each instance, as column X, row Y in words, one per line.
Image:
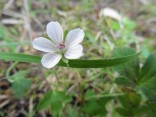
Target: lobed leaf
column 147, row 77
column 55, row 100
column 20, row 84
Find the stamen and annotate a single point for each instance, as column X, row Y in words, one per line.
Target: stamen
column 61, row 46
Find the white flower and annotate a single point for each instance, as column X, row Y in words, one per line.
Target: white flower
column 112, row 13
column 57, row 47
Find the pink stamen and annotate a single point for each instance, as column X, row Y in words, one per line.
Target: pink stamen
column 61, row 46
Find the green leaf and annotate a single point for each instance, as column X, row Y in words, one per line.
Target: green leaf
column 128, row 71
column 55, row 100
column 58, row 100
column 130, row 101
column 148, row 70
column 148, row 107
column 46, row 101
column 130, row 104
column 123, row 111
column 21, row 73
column 147, row 77
column 123, row 81
column 20, row 86
column 89, row 94
column 93, row 108
column 134, row 99
column 114, row 24
column 129, row 24
column 94, row 104
column 101, row 63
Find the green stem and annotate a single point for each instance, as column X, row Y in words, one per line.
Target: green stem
column 9, row 70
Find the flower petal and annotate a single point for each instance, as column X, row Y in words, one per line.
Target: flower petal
column 50, row 60
column 74, row 37
column 43, row 44
column 55, row 32
column 74, row 52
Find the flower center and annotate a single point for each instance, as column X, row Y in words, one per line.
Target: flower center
column 61, row 46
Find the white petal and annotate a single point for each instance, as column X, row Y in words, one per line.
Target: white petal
column 74, row 52
column 50, row 60
column 43, row 44
column 74, row 37
column 55, row 32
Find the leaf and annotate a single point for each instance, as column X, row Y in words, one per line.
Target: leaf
column 101, row 63
column 72, row 112
column 128, row 71
column 21, row 73
column 148, row 69
column 123, row 111
column 45, row 102
column 58, row 100
column 149, row 108
column 147, row 77
column 94, row 104
column 55, row 100
column 134, row 99
column 20, row 86
column 93, row 108
column 123, row 81
column 89, row 94
column 114, row 24
column 130, row 101
column 129, row 24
